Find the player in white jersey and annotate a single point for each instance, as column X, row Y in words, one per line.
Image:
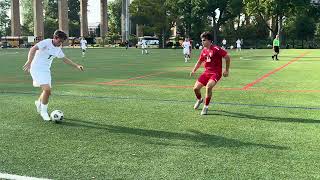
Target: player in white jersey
column 144, row 47
column 186, row 49
column 224, row 44
column 38, row 64
column 238, row 42
column 83, row 45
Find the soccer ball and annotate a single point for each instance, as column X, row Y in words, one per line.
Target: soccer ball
column 56, row 116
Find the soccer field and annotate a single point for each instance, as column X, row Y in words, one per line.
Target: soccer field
column 131, row 116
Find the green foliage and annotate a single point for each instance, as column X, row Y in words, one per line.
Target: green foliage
column 317, row 32
column 153, row 14
column 113, row 38
column 51, row 17
column 74, row 10
column 114, row 19
column 74, row 18
column 27, row 13
column 4, row 18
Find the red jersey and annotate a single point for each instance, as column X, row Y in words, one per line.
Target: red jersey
column 212, row 59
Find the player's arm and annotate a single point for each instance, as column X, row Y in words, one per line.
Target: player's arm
column 226, row 71
column 32, row 52
column 68, row 61
column 196, row 67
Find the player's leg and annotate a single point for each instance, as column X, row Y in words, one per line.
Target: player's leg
column 274, row 54
column 46, row 92
column 83, row 52
column 209, row 88
column 197, row 91
column 38, row 103
column 185, row 57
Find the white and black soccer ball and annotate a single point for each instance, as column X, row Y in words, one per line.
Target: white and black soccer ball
column 56, row 116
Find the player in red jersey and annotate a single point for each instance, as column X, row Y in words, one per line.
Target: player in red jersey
column 211, row 56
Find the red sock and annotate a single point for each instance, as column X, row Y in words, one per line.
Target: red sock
column 207, row 101
column 198, row 95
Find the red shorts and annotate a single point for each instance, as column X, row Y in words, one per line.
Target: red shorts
column 205, row 77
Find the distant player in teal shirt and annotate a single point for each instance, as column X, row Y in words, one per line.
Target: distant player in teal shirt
column 276, row 46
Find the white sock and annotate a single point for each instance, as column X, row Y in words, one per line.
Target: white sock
column 44, row 107
column 206, row 106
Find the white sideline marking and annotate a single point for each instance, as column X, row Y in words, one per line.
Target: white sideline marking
column 16, row 177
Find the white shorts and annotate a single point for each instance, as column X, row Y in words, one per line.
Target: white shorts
column 186, row 51
column 238, row 46
column 40, row 78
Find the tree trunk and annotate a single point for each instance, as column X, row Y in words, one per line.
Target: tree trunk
column 163, row 38
column 215, row 31
column 280, row 21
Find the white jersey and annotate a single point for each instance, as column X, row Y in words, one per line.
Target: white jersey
column 43, row 58
column 83, row 44
column 224, row 42
column 144, row 44
column 41, row 63
column 238, row 42
column 186, row 47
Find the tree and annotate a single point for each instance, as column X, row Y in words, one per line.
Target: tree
column 227, row 9
column 181, row 12
column 114, row 14
column 74, row 18
column 153, row 14
column 301, row 28
column 275, row 11
column 51, row 17
column 4, row 18
column 27, row 13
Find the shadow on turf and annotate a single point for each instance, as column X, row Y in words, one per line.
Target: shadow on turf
column 264, row 118
column 206, row 140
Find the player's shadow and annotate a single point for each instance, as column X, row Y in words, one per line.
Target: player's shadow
column 201, row 139
column 264, row 118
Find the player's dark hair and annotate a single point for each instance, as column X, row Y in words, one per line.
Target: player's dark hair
column 60, row 34
column 207, row 35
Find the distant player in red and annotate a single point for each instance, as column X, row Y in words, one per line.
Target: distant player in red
column 211, row 56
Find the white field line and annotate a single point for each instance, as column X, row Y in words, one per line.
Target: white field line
column 17, row 177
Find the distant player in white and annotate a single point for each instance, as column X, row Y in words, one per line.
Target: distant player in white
column 83, row 45
column 186, row 49
column 144, row 47
column 38, row 64
column 224, row 44
column 238, row 42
